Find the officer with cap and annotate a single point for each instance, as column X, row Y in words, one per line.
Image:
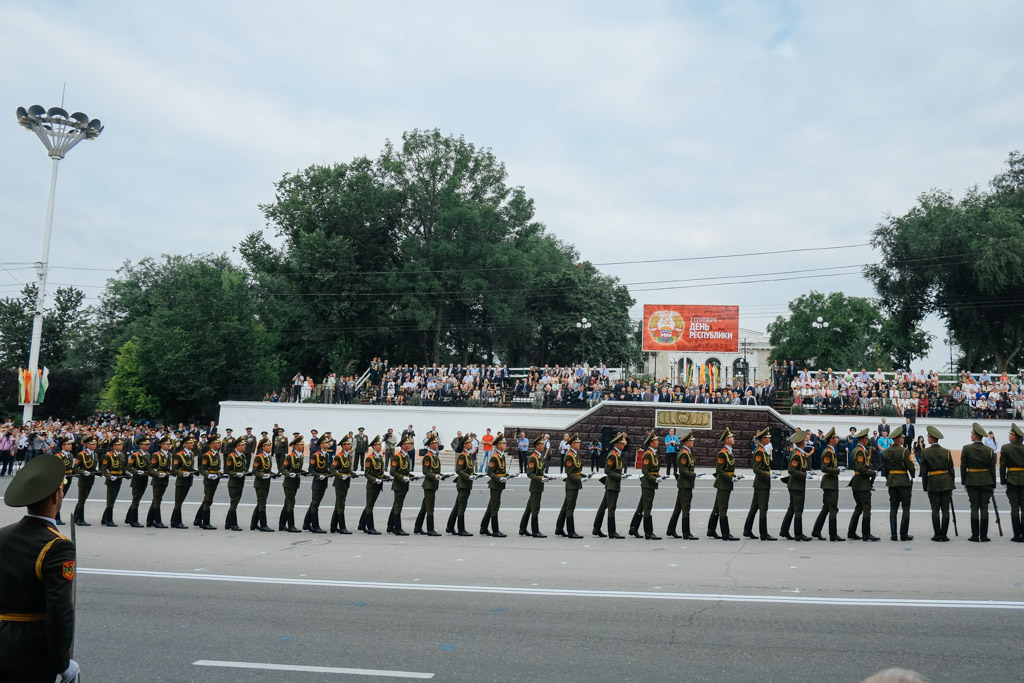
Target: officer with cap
column 725, row 470
column 978, row 474
column 37, row 610
column 234, row 470
column 573, row 466
column 431, row 481
column 649, row 473
column 319, row 470
column 159, row 471
column 401, row 469
column 612, row 481
column 210, row 470
column 685, row 478
column 938, row 476
column 898, row 470
column 183, row 467
column 261, row 485
column 138, row 467
column 341, row 469
column 375, row 478
column 280, row 447
column 829, row 489
column 463, row 487
column 497, row 474
column 86, row 464
column 796, row 482
column 535, row 473
column 761, row 466
column 1011, row 475
column 66, row 443
column 112, row 468
column 291, row 470
column 861, row 483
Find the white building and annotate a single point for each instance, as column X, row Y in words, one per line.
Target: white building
column 752, row 353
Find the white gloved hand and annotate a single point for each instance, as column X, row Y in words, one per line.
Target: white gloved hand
column 163, row 475
column 88, row 474
column 186, row 474
column 70, row 674
column 265, row 476
column 292, row 475
column 212, row 476
column 321, row 477
column 344, row 476
column 502, row 480
column 405, row 479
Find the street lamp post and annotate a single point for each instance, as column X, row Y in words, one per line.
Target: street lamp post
column 59, row 132
column 583, row 325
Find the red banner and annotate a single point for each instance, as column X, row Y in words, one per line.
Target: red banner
column 691, row 328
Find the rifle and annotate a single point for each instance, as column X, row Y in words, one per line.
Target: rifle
column 952, row 509
column 999, row 522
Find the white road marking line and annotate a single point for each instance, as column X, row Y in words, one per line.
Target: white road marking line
column 567, row 592
column 263, row 666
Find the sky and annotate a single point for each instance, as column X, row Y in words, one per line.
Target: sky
column 643, row 130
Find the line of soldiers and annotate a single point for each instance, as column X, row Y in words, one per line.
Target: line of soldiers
column 335, row 463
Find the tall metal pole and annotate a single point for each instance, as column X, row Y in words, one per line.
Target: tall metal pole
column 37, row 321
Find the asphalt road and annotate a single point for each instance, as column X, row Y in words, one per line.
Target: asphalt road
column 152, row 603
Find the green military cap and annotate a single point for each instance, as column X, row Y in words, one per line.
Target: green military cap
column 189, row 439
column 798, row 437
column 376, row 440
column 263, row 442
column 92, row 438
column 500, row 439
column 621, row 438
column 142, row 441
column 214, row 439
column 165, row 440
column 979, row 430
column 117, row 442
column 35, row 481
column 651, row 436
column 1014, row 429
column 433, row 438
column 239, row 445
column 539, row 441
column 934, row 432
column 65, row 440
column 831, row 433
column 264, row 433
column 862, row 434
column 725, row 435
column 345, row 441
column 763, row 433
column 685, row 435
column 298, row 440
column 575, row 438
column 467, row 441
column 406, row 440
column 896, row 433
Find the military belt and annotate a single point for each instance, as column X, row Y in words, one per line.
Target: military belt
column 897, row 471
column 934, row 472
column 1015, row 469
column 971, row 469
column 23, row 616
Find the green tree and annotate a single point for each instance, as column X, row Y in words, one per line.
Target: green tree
column 858, row 335
column 125, row 392
column 963, row 260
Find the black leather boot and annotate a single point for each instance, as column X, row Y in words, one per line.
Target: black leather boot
column 430, row 526
column 334, row 522
column 713, row 526
column 535, row 526
column 833, row 531
column 495, row 531
column 786, row 521
column 944, row 526
column 763, row 529
column 263, row 522
column 984, row 530
column 560, row 524
column 748, row 526
column 571, row 524
column 818, row 524
column 892, row 528
column 726, row 536
column 611, row 529
column 798, row 527
column 342, row 529
column 671, row 531
column 866, row 530
column 417, row 528
column 198, row 521
column 205, row 522
column 905, row 528
column 291, row 523
column 649, row 530
column 462, row 526
column 281, row 526
column 634, row 525
column 176, row 519
column 255, row 521
column 851, row 533
column 369, row 527
column 523, row 521
column 484, row 523
column 314, row 522
column 974, row 530
column 450, row 529
column 687, row 535
column 398, row 530
column 936, row 528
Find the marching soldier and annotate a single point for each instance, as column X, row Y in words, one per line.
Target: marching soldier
column 938, row 476
column 280, row 447
column 796, row 482
column 401, row 468
column 319, row 470
column 209, row 469
column 250, row 446
column 1011, row 475
column 159, row 471
column 862, row 484
column 573, row 483
column 685, row 478
column 138, row 467
column 725, row 470
column 234, row 470
column 261, row 485
column 341, row 468
column 431, row 477
column 612, row 485
column 463, row 487
column 535, row 473
column 182, row 466
column 898, row 470
column 978, row 474
column 829, row 489
column 762, row 488
column 291, row 470
column 648, row 485
column 66, row 443
column 86, row 464
column 112, row 469
column 375, row 477
column 497, row 473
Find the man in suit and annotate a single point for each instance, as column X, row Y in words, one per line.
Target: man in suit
column 909, row 433
column 883, row 428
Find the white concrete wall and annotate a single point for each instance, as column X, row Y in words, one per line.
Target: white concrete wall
column 956, row 432
column 341, row 419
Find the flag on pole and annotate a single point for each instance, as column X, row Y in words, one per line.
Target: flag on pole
column 43, row 384
column 24, row 386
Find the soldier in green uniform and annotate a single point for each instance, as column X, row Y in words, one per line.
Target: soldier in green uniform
column 1011, row 475
column 463, row 487
column 535, row 473
column 497, row 474
column 938, row 476
column 234, row 470
column 250, row 446
column 261, row 485
column 725, row 471
column 648, row 485
column 37, row 575
column 685, row 478
column 291, row 470
column 862, row 484
column 138, row 467
column 210, row 471
column 183, row 468
column 319, row 471
column 280, row 447
column 228, row 442
column 829, row 489
column 65, row 444
column 898, row 470
column 112, row 469
column 573, row 483
column 159, row 472
column 401, row 470
column 375, row 478
column 341, row 468
column 796, row 482
column 361, row 444
column 431, row 478
column 978, row 474
column 761, row 465
column 612, row 481
column 86, row 464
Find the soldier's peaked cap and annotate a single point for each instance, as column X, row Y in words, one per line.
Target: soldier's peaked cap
column 539, row 440
column 651, row 436
column 831, row 433
column 861, row 434
column 979, row 430
column 685, row 435
column 1014, row 429
column 37, row 480
column 375, row 441
column 934, row 432
column 896, row 433
column 763, row 433
column 725, row 435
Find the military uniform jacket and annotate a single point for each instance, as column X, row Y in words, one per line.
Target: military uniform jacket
column 897, row 467
column 496, row 471
column 977, row 465
column 684, row 462
column 725, row 470
column 280, row 445
column 341, row 464
column 613, row 471
column 829, row 469
column 1011, row 464
column 181, row 466
column 431, row 471
column 228, row 443
column 261, row 466
column 291, row 465
column 861, row 470
column 361, row 443
column 138, row 464
column 250, row 443
column 112, row 464
column 463, row 472
column 535, row 472
column 573, row 471
column 373, row 469
column 649, row 468
column 209, row 463
column 762, row 469
column 797, row 470
column 86, row 462
column 234, row 466
column 36, row 598
column 400, row 467
column 320, row 464
column 159, row 464
column 937, row 471
column 69, row 462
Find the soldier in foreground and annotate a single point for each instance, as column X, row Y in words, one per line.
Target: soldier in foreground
column 573, row 466
column 159, row 472
column 209, row 469
column 535, row 473
column 938, row 478
column 319, row 471
column 138, row 467
column 464, row 486
column 796, row 482
column 829, row 490
column 261, row 485
column 112, row 469
column 648, row 485
column 497, row 474
column 86, row 465
column 401, row 471
column 374, row 474
column 725, row 471
column 861, row 483
column 341, row 468
column 182, row 464
column 978, row 474
column 762, row 488
column 898, row 470
column 291, row 470
column 431, row 481
column 612, row 485
column 235, row 470
column 1011, row 475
